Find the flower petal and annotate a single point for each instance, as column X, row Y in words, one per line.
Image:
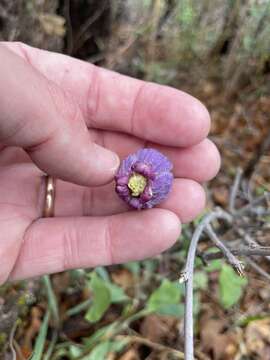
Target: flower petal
column 125, row 167
column 161, row 187
column 155, row 168
column 158, row 161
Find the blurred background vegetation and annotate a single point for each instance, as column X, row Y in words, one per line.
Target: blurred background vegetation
column 218, row 51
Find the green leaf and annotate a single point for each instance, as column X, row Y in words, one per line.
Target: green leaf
column 133, row 266
column 167, row 294
column 260, row 190
column 119, row 345
column 214, row 265
column 105, row 293
column 100, row 351
column 150, row 265
column 101, row 299
column 176, row 310
column 40, row 342
column 246, row 320
column 200, row 280
column 117, row 293
column 75, row 351
column 196, row 303
column 102, row 272
column 231, row 286
column 103, row 349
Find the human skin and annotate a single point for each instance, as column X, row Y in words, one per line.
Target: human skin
column 75, row 121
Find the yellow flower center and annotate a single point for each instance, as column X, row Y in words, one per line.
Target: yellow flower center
column 137, row 184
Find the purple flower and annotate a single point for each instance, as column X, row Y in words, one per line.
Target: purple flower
column 144, row 179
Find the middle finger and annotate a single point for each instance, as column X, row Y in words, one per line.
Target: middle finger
column 186, row 200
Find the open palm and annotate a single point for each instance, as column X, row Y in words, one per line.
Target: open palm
column 62, row 107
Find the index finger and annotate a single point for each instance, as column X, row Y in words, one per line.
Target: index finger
column 116, row 102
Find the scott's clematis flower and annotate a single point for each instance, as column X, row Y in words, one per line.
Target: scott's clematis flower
column 144, row 179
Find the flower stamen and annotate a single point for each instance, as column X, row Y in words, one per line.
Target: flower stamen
column 137, row 184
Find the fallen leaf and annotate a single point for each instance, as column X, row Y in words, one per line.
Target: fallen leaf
column 53, row 24
column 215, row 341
column 257, row 337
column 158, row 328
column 221, row 195
column 123, row 278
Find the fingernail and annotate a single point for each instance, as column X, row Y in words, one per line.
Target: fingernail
column 107, row 160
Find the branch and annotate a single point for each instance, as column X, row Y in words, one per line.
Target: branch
column 235, row 189
column 11, row 339
column 263, row 198
column 187, row 277
column 249, row 240
column 236, row 264
column 258, row 268
column 238, row 219
column 242, row 251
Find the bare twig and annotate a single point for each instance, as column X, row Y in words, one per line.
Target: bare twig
column 249, row 240
column 80, row 37
column 69, row 36
column 236, row 264
column 187, row 277
column 235, row 189
column 217, row 214
column 261, row 199
column 11, row 338
column 238, row 219
column 258, row 268
column 242, row 251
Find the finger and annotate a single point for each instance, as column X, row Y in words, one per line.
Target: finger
column 19, row 205
column 38, row 116
column 53, row 245
column 186, row 200
column 200, row 162
column 12, row 227
column 116, row 102
column 11, row 155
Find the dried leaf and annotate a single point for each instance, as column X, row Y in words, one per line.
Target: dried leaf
column 214, row 340
column 157, row 328
column 257, row 338
column 123, row 278
column 53, row 24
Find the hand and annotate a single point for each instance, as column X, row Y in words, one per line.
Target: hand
column 74, row 121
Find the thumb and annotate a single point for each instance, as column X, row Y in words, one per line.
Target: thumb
column 39, row 117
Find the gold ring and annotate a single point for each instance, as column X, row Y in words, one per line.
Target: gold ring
column 48, row 210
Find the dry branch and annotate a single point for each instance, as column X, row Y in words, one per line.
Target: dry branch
column 237, row 220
